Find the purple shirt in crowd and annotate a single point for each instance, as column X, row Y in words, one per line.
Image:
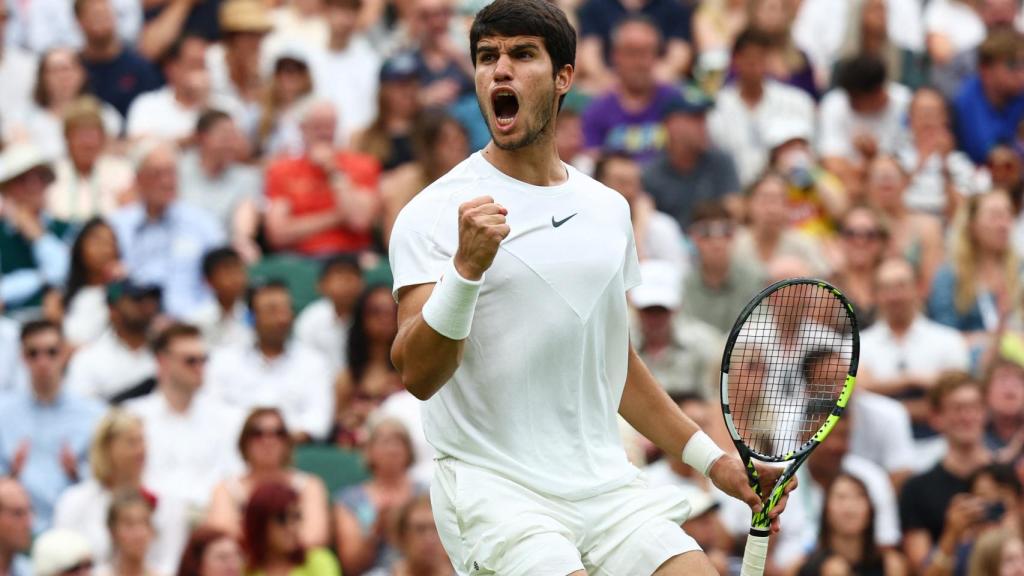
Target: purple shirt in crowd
column 610, row 127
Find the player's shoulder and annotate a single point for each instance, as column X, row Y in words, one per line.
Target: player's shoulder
column 443, row 195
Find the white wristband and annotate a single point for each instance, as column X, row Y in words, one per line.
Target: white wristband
column 701, row 452
column 449, row 310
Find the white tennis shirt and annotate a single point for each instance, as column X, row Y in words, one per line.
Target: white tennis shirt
column 536, row 395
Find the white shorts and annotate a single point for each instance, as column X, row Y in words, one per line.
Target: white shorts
column 492, row 525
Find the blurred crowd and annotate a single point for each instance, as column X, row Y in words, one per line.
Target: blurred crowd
column 197, row 198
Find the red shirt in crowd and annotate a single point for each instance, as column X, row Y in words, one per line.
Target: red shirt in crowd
column 307, row 190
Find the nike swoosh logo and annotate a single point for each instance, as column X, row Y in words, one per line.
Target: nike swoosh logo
column 557, row 223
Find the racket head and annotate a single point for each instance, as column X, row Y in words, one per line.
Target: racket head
column 788, row 368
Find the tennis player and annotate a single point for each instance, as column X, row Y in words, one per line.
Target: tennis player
column 511, row 274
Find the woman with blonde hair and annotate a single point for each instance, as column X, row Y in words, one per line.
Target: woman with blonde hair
column 976, row 288
column 117, row 457
column 997, row 553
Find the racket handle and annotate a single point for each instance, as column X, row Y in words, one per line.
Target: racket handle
column 755, row 554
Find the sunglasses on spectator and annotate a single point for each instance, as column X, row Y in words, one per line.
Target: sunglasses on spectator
column 288, row 517
column 50, row 352
column 276, row 432
column 715, row 229
column 865, row 234
column 194, row 360
column 80, row 567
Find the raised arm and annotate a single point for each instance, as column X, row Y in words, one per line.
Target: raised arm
column 434, row 319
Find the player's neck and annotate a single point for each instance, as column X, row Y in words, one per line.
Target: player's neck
column 537, row 164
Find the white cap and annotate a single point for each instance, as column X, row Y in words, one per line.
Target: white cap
column 20, row 158
column 662, row 285
column 785, row 129
column 55, row 551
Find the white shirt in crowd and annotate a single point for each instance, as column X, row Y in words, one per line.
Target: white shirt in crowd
column 52, row 24
column 319, row 328
column 881, row 431
column 18, row 77
column 105, row 367
column 407, row 409
column 957, row 21
column 355, row 98
column 12, row 369
column 83, row 509
column 663, row 240
column 535, row 403
column 298, row 383
column 838, row 124
column 187, row 454
column 76, row 197
column 220, row 329
column 47, row 129
column 87, row 315
column 799, row 533
column 740, row 130
column 734, row 514
column 158, row 114
column 927, row 349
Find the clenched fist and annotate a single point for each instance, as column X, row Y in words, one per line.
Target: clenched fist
column 482, row 227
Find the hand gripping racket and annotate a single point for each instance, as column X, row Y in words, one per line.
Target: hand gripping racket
column 788, row 370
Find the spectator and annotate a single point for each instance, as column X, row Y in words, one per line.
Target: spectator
column 904, row 353
column 997, row 553
column 90, row 181
column 33, row 252
column 570, row 142
column 117, row 72
column 389, row 137
column 845, row 540
column 439, row 144
column 939, row 174
column 130, row 524
column 720, row 285
column 291, row 83
column 769, row 234
column 786, row 62
column 628, row 117
column 168, row 20
column 862, row 117
column 325, row 200
column 656, row 234
column 119, row 359
column 953, row 28
column 46, row 428
column 213, row 178
column 369, row 377
column 822, row 470
column 266, row 447
column 990, row 104
column 598, row 20
column 364, row 513
column 958, row 413
column 417, row 539
column 60, row 553
column 189, row 435
column 1004, row 403
column 683, row 353
column 95, row 262
column 689, row 163
column 224, row 321
column 211, row 552
column 60, row 81
column 17, row 70
column 299, row 22
column 15, row 528
column 815, row 198
column 51, row 24
column 975, row 288
column 234, row 64
column 717, row 24
column 275, row 370
column 747, row 107
column 274, row 538
column 323, row 325
column 863, row 243
column 351, row 56
column 16, row 377
column 117, row 457
column 443, row 71
column 162, row 238
column 881, row 432
column 914, row 236
column 170, row 113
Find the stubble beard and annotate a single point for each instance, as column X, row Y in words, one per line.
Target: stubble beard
column 546, row 114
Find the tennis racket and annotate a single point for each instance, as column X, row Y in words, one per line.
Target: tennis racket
column 788, row 370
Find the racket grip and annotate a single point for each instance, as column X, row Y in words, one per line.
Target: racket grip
column 755, row 554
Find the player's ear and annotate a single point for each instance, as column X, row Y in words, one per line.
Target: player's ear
column 563, row 80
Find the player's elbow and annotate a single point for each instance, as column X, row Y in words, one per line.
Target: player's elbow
column 422, row 388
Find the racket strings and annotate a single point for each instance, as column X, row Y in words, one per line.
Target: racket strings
column 788, row 367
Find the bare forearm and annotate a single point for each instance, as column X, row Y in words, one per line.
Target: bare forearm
column 287, row 230
column 648, row 408
column 427, row 359
column 160, row 33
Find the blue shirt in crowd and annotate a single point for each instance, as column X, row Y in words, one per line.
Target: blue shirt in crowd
column 979, row 125
column 119, row 80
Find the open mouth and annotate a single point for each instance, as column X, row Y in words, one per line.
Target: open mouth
column 506, row 106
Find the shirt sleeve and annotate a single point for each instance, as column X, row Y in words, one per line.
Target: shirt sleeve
column 631, row 264
column 52, row 257
column 415, row 256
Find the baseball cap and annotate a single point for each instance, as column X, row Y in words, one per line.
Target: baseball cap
column 129, row 288
column 779, row 131
column 244, row 16
column 662, row 285
column 399, row 67
column 59, row 551
column 690, row 101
